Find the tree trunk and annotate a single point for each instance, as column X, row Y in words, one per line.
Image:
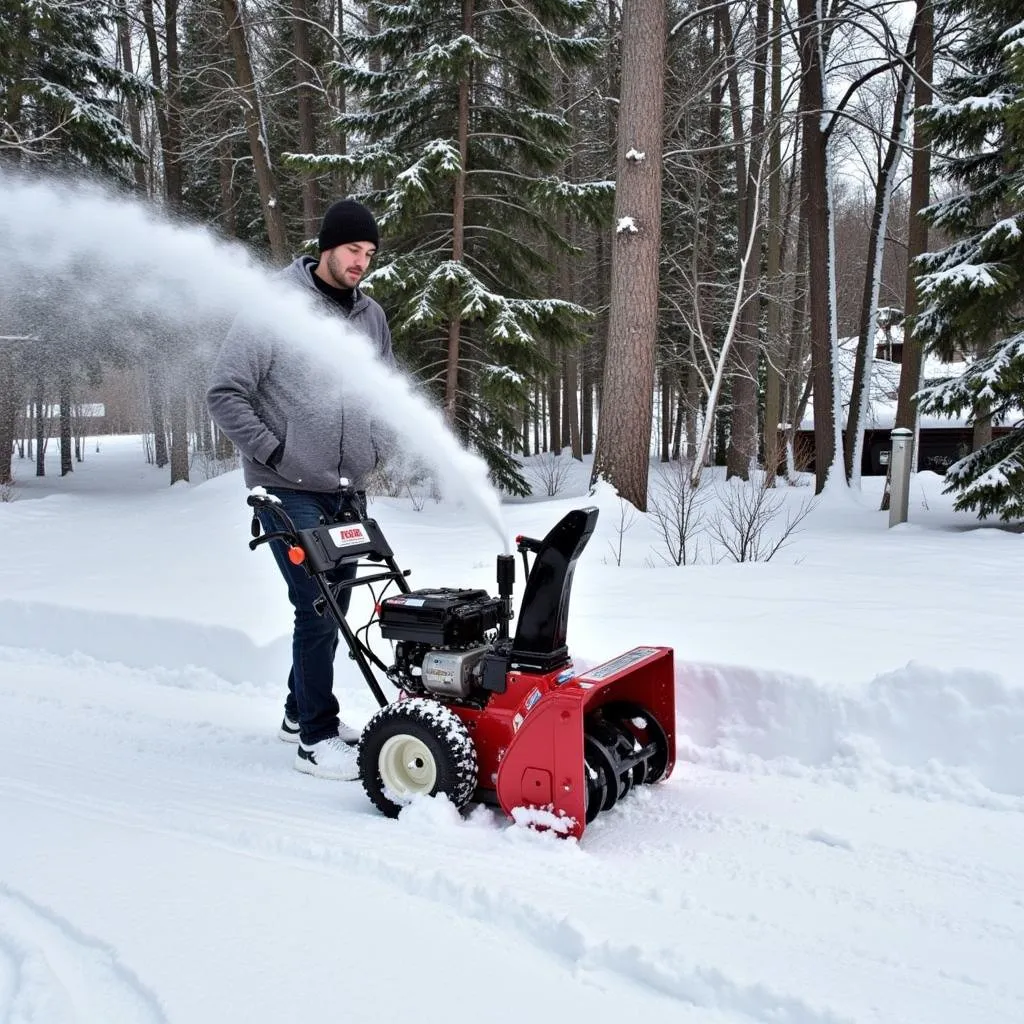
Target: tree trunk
column 179, row 424
column 816, row 197
column 223, row 448
column 155, row 387
column 796, row 384
column 554, row 434
column 201, row 418
column 666, row 415
column 10, row 399
column 692, row 407
column 920, row 194
column 885, row 185
column 624, row 431
column 307, row 129
column 172, row 152
column 587, row 409
column 569, row 288
column 538, row 419
column 681, row 415
column 266, row 180
column 773, row 260
column 41, row 421
column 225, row 172
column 124, row 40
column 451, row 384
column 706, row 291
column 168, row 113
column 742, row 452
column 571, row 407
column 66, row 456
column 982, row 432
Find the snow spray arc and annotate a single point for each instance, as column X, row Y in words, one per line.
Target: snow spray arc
column 75, row 259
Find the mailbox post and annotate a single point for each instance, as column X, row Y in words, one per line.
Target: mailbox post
column 899, row 476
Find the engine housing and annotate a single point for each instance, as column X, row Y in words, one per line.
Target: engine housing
column 441, row 637
column 452, row 673
column 441, row 617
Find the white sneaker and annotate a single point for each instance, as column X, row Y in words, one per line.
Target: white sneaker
column 289, row 732
column 348, row 734
column 331, row 758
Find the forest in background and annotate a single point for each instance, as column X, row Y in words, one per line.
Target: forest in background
column 597, row 218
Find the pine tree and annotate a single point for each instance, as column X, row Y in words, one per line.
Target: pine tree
column 58, row 87
column 971, row 290
column 461, row 153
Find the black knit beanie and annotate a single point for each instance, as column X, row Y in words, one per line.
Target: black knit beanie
column 347, row 221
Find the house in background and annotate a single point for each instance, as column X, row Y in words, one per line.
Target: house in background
column 942, row 440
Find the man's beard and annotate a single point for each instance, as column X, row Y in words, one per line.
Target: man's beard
column 338, row 273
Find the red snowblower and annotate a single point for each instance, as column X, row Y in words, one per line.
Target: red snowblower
column 481, row 715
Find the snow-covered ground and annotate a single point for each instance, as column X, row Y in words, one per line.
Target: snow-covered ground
column 840, row 842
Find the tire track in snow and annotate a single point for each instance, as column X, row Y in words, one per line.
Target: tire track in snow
column 240, row 826
column 58, row 975
column 665, row 973
column 375, row 850
column 662, row 972
column 346, row 841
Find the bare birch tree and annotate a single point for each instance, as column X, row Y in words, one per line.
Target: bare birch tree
column 885, row 185
column 920, row 195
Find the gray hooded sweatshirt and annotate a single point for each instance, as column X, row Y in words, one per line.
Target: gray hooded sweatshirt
column 264, row 392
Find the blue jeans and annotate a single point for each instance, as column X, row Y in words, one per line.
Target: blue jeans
column 311, row 701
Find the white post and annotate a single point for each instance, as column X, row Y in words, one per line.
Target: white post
column 899, row 476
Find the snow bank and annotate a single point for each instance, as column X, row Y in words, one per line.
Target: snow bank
column 956, row 735
column 184, row 653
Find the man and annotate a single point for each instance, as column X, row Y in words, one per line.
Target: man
column 298, row 444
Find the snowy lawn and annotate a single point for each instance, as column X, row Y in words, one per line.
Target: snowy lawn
column 840, row 842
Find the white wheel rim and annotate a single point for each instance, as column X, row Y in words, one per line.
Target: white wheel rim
column 407, row 767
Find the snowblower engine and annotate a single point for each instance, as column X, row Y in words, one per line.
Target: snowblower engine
column 441, row 638
column 484, row 714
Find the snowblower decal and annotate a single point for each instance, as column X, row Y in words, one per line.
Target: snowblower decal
column 610, row 668
column 347, row 535
column 532, row 699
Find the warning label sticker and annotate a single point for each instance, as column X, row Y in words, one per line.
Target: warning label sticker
column 610, row 668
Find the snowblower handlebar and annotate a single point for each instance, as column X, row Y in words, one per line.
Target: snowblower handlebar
column 269, row 503
column 351, row 509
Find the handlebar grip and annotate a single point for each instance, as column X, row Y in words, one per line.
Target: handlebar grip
column 288, row 538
